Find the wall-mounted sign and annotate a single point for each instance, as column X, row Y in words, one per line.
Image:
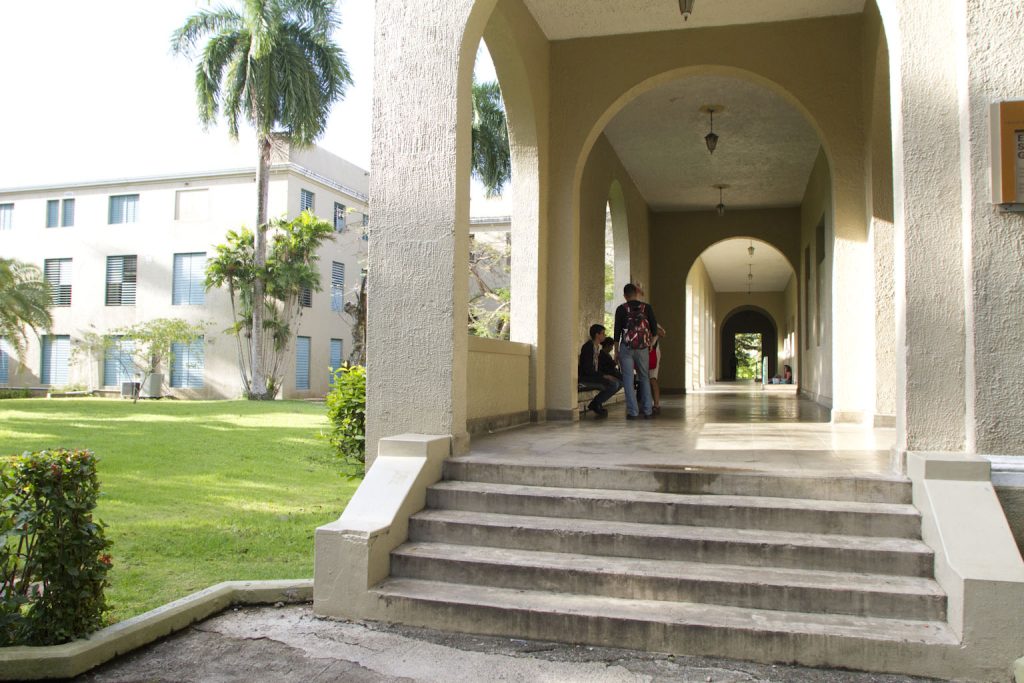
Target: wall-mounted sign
column 1007, row 131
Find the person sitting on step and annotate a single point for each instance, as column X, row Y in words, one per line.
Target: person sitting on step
column 591, row 375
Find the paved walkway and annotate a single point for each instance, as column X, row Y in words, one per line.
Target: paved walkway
column 729, row 427
column 291, row 645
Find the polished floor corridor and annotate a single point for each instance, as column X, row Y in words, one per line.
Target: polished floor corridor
column 731, row 427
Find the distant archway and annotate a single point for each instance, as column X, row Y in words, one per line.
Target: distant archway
column 748, row 319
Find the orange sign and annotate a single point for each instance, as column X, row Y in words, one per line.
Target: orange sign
column 1008, row 152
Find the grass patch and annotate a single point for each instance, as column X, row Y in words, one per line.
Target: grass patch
column 194, row 492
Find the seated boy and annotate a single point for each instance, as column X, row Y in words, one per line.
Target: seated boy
column 590, row 371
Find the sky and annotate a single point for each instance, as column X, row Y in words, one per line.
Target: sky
column 91, row 91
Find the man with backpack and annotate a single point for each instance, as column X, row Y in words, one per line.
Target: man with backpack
column 634, row 326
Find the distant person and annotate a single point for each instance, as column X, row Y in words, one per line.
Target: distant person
column 787, row 374
column 590, row 372
column 634, row 331
column 655, row 366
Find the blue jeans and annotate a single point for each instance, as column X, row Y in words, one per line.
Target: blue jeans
column 640, row 360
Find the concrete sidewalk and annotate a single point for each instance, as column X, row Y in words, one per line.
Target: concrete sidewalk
column 290, row 644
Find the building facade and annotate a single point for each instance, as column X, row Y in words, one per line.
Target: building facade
column 122, row 252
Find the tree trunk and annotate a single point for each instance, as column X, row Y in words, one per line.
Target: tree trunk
column 258, row 388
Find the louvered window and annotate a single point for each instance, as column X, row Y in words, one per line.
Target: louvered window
column 337, row 286
column 306, row 297
column 306, row 200
column 68, row 217
column 54, row 365
column 119, row 363
column 58, row 274
column 188, row 365
column 189, row 279
column 124, row 208
column 5, row 362
column 122, row 273
column 6, row 216
column 339, row 217
column 336, row 348
column 302, row 345
column 52, row 213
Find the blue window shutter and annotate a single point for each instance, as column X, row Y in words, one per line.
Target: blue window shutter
column 339, row 217
column 336, row 347
column 188, row 279
column 306, row 200
column 5, row 363
column 52, row 213
column 6, row 216
column 337, row 286
column 56, row 353
column 57, row 272
column 124, row 208
column 69, row 213
column 189, row 364
column 302, row 363
column 118, row 365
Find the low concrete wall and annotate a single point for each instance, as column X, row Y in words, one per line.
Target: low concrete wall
column 1008, row 480
column 22, row 663
column 498, row 384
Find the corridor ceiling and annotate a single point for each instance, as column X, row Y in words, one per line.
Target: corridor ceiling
column 726, row 263
column 765, row 152
column 565, row 19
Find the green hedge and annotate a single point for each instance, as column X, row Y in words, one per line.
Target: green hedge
column 53, row 559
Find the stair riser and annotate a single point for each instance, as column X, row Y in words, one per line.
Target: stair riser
column 682, row 481
column 808, row 649
column 659, row 548
column 636, row 587
column 689, row 514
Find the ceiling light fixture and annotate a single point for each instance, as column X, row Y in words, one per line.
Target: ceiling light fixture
column 750, row 276
column 711, row 140
column 721, row 205
column 750, row 249
column 686, row 8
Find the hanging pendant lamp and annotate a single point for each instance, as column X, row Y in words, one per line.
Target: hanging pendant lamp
column 711, row 139
column 686, row 8
column 721, row 204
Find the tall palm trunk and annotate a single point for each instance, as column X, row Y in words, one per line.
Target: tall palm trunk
column 258, row 390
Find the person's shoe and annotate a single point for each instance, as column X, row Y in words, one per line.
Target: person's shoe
column 599, row 411
column 632, row 417
column 656, row 410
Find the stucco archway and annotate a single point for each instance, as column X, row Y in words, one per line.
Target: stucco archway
column 747, row 319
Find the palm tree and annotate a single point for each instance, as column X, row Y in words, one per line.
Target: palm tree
column 273, row 63
column 492, row 163
column 24, row 303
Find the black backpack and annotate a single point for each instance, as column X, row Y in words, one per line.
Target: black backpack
column 637, row 334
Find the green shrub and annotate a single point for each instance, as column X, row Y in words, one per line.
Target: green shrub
column 53, row 561
column 346, row 409
column 15, row 393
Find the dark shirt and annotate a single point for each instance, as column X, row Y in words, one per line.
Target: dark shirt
column 620, row 318
column 606, row 365
column 587, row 369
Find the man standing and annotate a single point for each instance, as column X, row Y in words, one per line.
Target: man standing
column 634, row 326
column 590, row 372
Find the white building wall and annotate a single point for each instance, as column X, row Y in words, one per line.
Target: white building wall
column 158, row 234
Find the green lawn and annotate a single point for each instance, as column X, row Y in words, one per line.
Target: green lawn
column 194, row 492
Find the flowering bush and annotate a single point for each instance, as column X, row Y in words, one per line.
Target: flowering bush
column 53, row 555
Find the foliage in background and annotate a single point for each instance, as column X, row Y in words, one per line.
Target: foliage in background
column 356, row 312
column 144, row 348
column 748, row 355
column 14, row 393
column 346, row 409
column 492, row 161
column 194, row 492
column 25, row 300
column 290, row 269
column 53, row 560
column 275, row 64
column 490, row 303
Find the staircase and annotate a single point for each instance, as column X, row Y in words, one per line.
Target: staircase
column 812, row 570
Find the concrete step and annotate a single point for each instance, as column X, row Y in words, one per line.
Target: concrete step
column 830, row 552
column 921, row 647
column 851, row 518
column 690, row 480
column 793, row 590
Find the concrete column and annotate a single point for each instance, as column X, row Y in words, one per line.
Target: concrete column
column 929, row 264
column 419, row 191
column 990, row 49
